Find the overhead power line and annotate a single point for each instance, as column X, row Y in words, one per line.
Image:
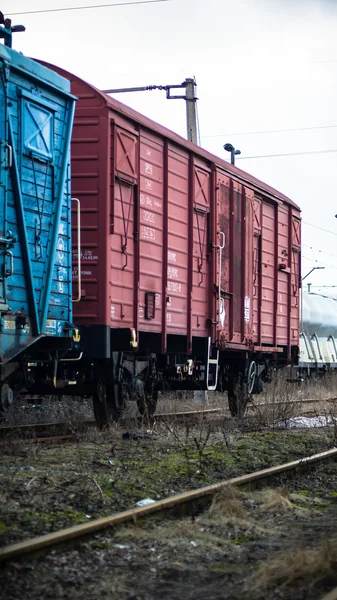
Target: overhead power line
column 68, row 8
column 320, row 228
column 270, row 131
column 318, row 250
column 319, row 262
column 287, row 154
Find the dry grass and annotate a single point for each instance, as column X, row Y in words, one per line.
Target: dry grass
column 228, row 503
column 275, row 500
column 316, row 565
column 172, row 533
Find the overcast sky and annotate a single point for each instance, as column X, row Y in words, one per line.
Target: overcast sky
column 260, row 65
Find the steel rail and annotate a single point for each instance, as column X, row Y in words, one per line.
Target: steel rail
column 71, row 533
column 78, row 425
column 86, row 423
column 28, row 426
column 38, row 440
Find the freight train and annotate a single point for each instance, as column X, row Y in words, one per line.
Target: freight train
column 185, row 269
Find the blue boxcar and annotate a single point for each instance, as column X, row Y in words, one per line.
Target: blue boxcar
column 36, row 115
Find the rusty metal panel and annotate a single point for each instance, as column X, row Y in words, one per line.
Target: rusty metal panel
column 237, row 238
column 125, row 154
column 268, row 273
column 257, row 266
column 121, row 257
column 177, row 250
column 201, row 250
column 295, row 228
column 223, row 209
column 247, row 270
column 151, row 229
column 283, row 276
column 89, row 145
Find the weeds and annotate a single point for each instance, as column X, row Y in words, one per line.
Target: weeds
column 317, row 565
column 228, row 503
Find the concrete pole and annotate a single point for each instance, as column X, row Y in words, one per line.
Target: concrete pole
column 191, row 117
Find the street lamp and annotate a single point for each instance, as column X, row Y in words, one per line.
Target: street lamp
column 313, row 269
column 230, row 148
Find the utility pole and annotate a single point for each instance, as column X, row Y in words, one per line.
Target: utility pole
column 190, row 98
column 191, row 113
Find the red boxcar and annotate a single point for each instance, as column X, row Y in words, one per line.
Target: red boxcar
column 185, row 258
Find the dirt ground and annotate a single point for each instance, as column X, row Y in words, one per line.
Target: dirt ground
column 44, row 487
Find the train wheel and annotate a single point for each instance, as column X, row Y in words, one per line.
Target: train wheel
column 251, row 376
column 108, row 402
column 147, row 404
column 237, row 396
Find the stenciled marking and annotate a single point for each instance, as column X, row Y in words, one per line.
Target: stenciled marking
column 172, row 272
column 174, row 286
column 171, row 256
column 246, row 309
column 83, row 273
column 147, row 233
column 146, row 201
column 61, row 272
column 85, row 255
column 148, row 169
column 60, row 250
column 148, row 216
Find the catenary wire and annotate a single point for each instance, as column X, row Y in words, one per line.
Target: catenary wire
column 318, row 250
column 320, row 228
column 68, row 8
column 270, row 131
column 313, row 260
column 288, row 154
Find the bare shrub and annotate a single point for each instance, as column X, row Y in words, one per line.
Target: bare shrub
column 316, row 565
column 278, row 403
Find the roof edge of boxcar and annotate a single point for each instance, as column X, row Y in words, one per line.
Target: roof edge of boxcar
column 34, row 69
column 134, row 115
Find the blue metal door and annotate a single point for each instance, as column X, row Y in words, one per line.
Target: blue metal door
column 6, row 239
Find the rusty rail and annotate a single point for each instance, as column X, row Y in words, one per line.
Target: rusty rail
column 71, row 533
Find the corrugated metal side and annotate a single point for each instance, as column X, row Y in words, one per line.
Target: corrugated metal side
column 177, row 250
column 201, row 196
column 35, row 202
column 147, row 227
column 268, row 259
column 248, row 260
column 283, row 276
column 151, row 199
column 90, row 152
column 294, row 291
column 224, row 226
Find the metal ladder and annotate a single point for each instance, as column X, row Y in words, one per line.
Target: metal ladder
column 211, row 368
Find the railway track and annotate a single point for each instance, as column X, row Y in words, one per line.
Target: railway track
column 63, row 431
column 195, row 499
